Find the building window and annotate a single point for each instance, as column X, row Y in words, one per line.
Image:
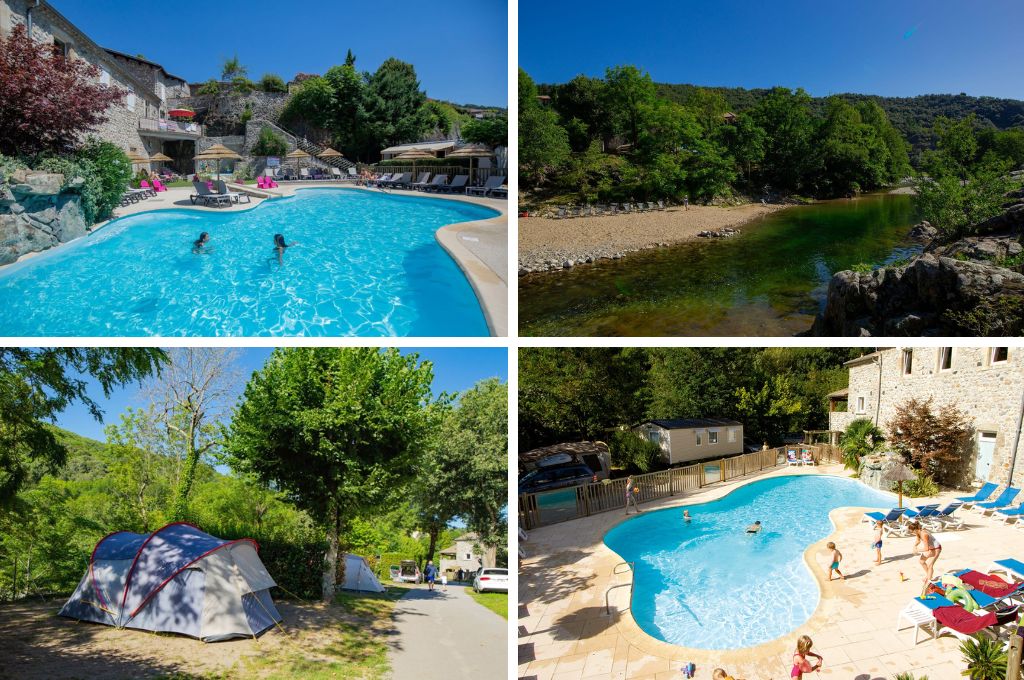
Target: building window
column 908, row 361
column 732, row 435
column 469, row 556
column 712, row 436
column 131, row 100
column 999, row 355
column 654, row 437
column 860, row 404
column 945, row 358
column 60, row 48
column 104, row 77
column 699, row 438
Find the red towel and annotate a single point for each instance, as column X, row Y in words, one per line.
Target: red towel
column 988, row 584
column 962, row 621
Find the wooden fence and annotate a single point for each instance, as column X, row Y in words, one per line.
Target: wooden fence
column 560, row 505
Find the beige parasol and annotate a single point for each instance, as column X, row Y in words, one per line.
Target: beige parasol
column 471, row 151
column 298, row 155
column 899, row 473
column 414, row 155
column 136, row 159
column 217, row 152
column 330, row 153
column 160, row 158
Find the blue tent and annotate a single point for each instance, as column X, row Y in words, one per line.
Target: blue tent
column 178, row 580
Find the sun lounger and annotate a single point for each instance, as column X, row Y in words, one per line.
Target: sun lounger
column 1008, row 515
column 493, row 182
column 891, row 524
column 1004, row 501
column 458, row 183
column 791, row 458
column 222, row 189
column 352, row 174
column 396, row 180
column 920, row 612
column 438, row 181
column 991, row 585
column 944, row 519
column 806, row 458
column 986, row 490
column 922, row 512
column 421, row 182
column 206, row 196
column 1009, row 566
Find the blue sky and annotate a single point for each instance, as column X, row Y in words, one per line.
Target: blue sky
column 455, row 370
column 879, row 47
column 459, row 48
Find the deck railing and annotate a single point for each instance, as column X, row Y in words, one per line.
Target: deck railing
column 480, row 175
column 173, row 126
column 560, row 505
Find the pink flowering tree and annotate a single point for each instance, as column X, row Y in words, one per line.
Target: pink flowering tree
column 46, row 100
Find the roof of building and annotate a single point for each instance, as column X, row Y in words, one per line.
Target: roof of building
column 687, row 423
column 141, row 87
column 430, row 146
column 866, row 358
column 571, row 448
column 471, row 536
column 845, row 392
column 143, row 60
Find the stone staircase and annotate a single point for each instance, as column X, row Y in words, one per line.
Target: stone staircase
column 312, row 148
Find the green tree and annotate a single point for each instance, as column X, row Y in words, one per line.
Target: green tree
column 860, row 438
column 954, row 206
column 232, row 68
column 395, row 104
column 37, row 384
column 791, row 160
column 312, row 102
column 957, row 144
column 581, row 103
column 490, row 131
column 269, row 144
column 113, row 170
column 986, row 659
column 708, row 106
column 745, row 141
column 634, row 453
column 335, row 428
column 628, row 94
column 543, row 143
column 348, row 116
column 771, row 410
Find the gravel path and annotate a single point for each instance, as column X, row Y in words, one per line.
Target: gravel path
column 447, row 634
column 547, row 244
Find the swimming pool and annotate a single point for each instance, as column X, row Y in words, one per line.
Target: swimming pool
column 709, row 585
column 366, row 264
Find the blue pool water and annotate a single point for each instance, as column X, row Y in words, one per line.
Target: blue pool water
column 367, row 264
column 709, row 585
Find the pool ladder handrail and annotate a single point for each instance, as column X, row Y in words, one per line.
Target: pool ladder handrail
column 632, row 579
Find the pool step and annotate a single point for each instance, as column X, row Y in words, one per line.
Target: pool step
column 252, row 191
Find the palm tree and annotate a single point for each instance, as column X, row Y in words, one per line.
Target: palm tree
column 985, row 659
column 860, row 438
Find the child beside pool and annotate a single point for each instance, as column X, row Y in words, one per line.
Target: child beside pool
column 837, row 557
column 800, row 663
column 877, row 543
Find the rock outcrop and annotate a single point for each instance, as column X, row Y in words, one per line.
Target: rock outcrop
column 960, row 288
column 37, row 212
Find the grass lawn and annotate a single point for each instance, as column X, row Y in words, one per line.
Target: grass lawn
column 351, row 644
column 496, row 602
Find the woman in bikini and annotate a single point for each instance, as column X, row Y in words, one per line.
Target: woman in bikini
column 929, row 548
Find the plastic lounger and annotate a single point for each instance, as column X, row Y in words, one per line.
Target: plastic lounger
column 1004, row 500
column 1009, row 566
column 986, row 490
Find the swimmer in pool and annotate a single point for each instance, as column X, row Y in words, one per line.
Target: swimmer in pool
column 754, row 528
column 279, row 247
column 199, row 245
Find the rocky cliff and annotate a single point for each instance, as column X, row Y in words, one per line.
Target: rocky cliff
column 973, row 286
column 36, row 214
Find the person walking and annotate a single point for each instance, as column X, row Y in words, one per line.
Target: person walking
column 430, row 574
column 444, row 581
column 631, row 492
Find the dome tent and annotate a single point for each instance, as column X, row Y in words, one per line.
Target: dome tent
column 177, row 580
column 359, row 576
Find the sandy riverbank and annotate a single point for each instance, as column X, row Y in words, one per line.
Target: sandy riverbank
column 547, row 244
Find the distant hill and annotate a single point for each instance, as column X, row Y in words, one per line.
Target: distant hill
column 912, row 116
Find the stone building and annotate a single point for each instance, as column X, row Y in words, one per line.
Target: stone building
column 986, row 383
column 139, row 122
column 463, row 554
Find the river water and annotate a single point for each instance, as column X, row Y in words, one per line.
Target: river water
column 770, row 280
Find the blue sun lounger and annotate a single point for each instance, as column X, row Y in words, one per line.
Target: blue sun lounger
column 943, row 519
column 891, row 516
column 1008, row 514
column 986, row 490
column 1004, row 500
column 1009, row 566
column 923, row 512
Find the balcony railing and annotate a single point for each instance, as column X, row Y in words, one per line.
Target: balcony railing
column 171, row 127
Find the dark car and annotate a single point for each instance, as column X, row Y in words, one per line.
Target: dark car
column 557, row 477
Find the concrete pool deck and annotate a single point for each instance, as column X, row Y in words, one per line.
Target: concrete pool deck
column 479, row 248
column 565, row 634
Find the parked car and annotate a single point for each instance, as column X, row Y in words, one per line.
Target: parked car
column 409, row 572
column 557, row 477
column 493, row 580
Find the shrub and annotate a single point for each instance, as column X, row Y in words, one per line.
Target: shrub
column 246, row 114
column 297, row 566
column 922, row 486
column 112, row 169
column 269, row 144
column 935, row 441
column 634, row 453
column 985, row 659
column 241, row 85
column 211, row 86
column 860, row 438
column 271, row 82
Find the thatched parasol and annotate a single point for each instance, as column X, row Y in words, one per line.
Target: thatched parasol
column 136, row 159
column 217, row 152
column 330, row 153
column 899, row 473
column 414, row 155
column 160, row 158
column 298, row 155
column 471, row 151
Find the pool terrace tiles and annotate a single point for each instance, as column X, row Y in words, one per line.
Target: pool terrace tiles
column 564, row 633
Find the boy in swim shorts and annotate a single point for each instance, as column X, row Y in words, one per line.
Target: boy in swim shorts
column 837, row 557
column 877, row 544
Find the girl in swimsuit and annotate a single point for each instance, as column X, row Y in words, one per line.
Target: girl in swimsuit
column 800, row 663
column 929, row 549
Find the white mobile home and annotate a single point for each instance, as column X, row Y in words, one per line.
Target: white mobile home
column 687, row 439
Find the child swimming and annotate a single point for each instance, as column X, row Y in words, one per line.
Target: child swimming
column 280, row 246
column 199, row 245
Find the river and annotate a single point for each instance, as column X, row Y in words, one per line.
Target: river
column 769, row 281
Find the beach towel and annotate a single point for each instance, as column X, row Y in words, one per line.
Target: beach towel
column 962, row 621
column 988, row 584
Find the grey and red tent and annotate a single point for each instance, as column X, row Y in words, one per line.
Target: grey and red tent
column 177, row 580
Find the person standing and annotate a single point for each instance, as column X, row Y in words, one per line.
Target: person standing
column 444, row 581
column 631, row 492
column 430, row 574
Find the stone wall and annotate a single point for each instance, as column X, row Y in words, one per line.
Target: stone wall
column 152, row 75
column 35, row 214
column 989, row 393
column 264, row 105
